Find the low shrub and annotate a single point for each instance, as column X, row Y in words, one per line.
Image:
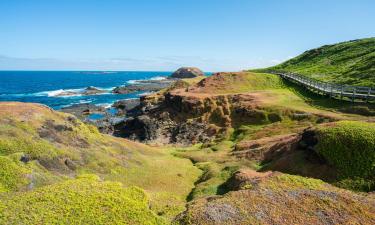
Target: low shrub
column 350, row 147
column 79, row 201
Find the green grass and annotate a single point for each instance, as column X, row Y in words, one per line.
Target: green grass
column 231, row 83
column 214, row 175
column 12, row 175
column 350, row 62
column 350, row 147
column 253, row 82
column 81, row 201
column 216, row 165
column 60, row 147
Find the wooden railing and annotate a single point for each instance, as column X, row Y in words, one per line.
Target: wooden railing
column 343, row 92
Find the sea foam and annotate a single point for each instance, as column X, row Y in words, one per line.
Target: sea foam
column 157, row 78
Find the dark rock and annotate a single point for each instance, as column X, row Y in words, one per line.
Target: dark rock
column 140, row 128
column 187, row 72
column 92, row 91
column 25, row 158
column 70, row 164
column 88, row 91
column 126, row 105
column 82, row 110
column 309, row 138
column 140, row 87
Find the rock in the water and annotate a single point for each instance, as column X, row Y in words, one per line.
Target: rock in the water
column 84, row 109
column 87, row 91
column 140, row 87
column 92, row 91
column 187, row 72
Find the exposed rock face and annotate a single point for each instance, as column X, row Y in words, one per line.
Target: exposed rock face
column 176, row 118
column 267, row 148
column 290, row 153
column 187, row 72
column 126, row 105
column 192, row 114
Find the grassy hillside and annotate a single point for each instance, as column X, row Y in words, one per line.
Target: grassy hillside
column 40, row 147
column 351, row 62
column 230, row 83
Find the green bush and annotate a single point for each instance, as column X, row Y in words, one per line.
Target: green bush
column 350, row 147
column 36, row 148
column 357, row 184
column 80, row 201
column 12, row 176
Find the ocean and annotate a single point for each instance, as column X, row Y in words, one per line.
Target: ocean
column 45, row 86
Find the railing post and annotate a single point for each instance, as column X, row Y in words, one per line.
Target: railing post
column 331, row 90
column 328, row 89
column 368, row 94
column 342, row 91
column 353, row 96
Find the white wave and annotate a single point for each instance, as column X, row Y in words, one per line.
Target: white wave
column 67, row 105
column 157, row 78
column 59, row 92
column 132, row 81
column 145, row 94
column 105, row 105
column 85, row 101
column 107, row 89
column 17, row 95
column 65, row 93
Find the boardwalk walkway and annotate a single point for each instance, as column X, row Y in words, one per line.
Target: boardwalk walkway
column 343, row 92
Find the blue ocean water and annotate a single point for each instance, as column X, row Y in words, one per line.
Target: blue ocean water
column 44, row 86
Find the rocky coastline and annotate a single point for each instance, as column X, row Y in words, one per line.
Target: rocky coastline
column 130, row 118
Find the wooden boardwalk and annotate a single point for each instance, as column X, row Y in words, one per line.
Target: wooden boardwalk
column 343, row 92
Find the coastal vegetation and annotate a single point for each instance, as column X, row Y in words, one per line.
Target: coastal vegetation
column 231, row 148
column 349, row 147
column 43, row 148
column 350, row 62
column 85, row 200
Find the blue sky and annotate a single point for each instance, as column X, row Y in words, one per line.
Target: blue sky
column 215, row 35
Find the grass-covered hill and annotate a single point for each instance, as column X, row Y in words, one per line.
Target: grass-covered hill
column 276, row 198
column 46, row 158
column 351, row 62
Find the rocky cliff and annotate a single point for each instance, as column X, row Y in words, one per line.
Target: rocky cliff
column 206, row 110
